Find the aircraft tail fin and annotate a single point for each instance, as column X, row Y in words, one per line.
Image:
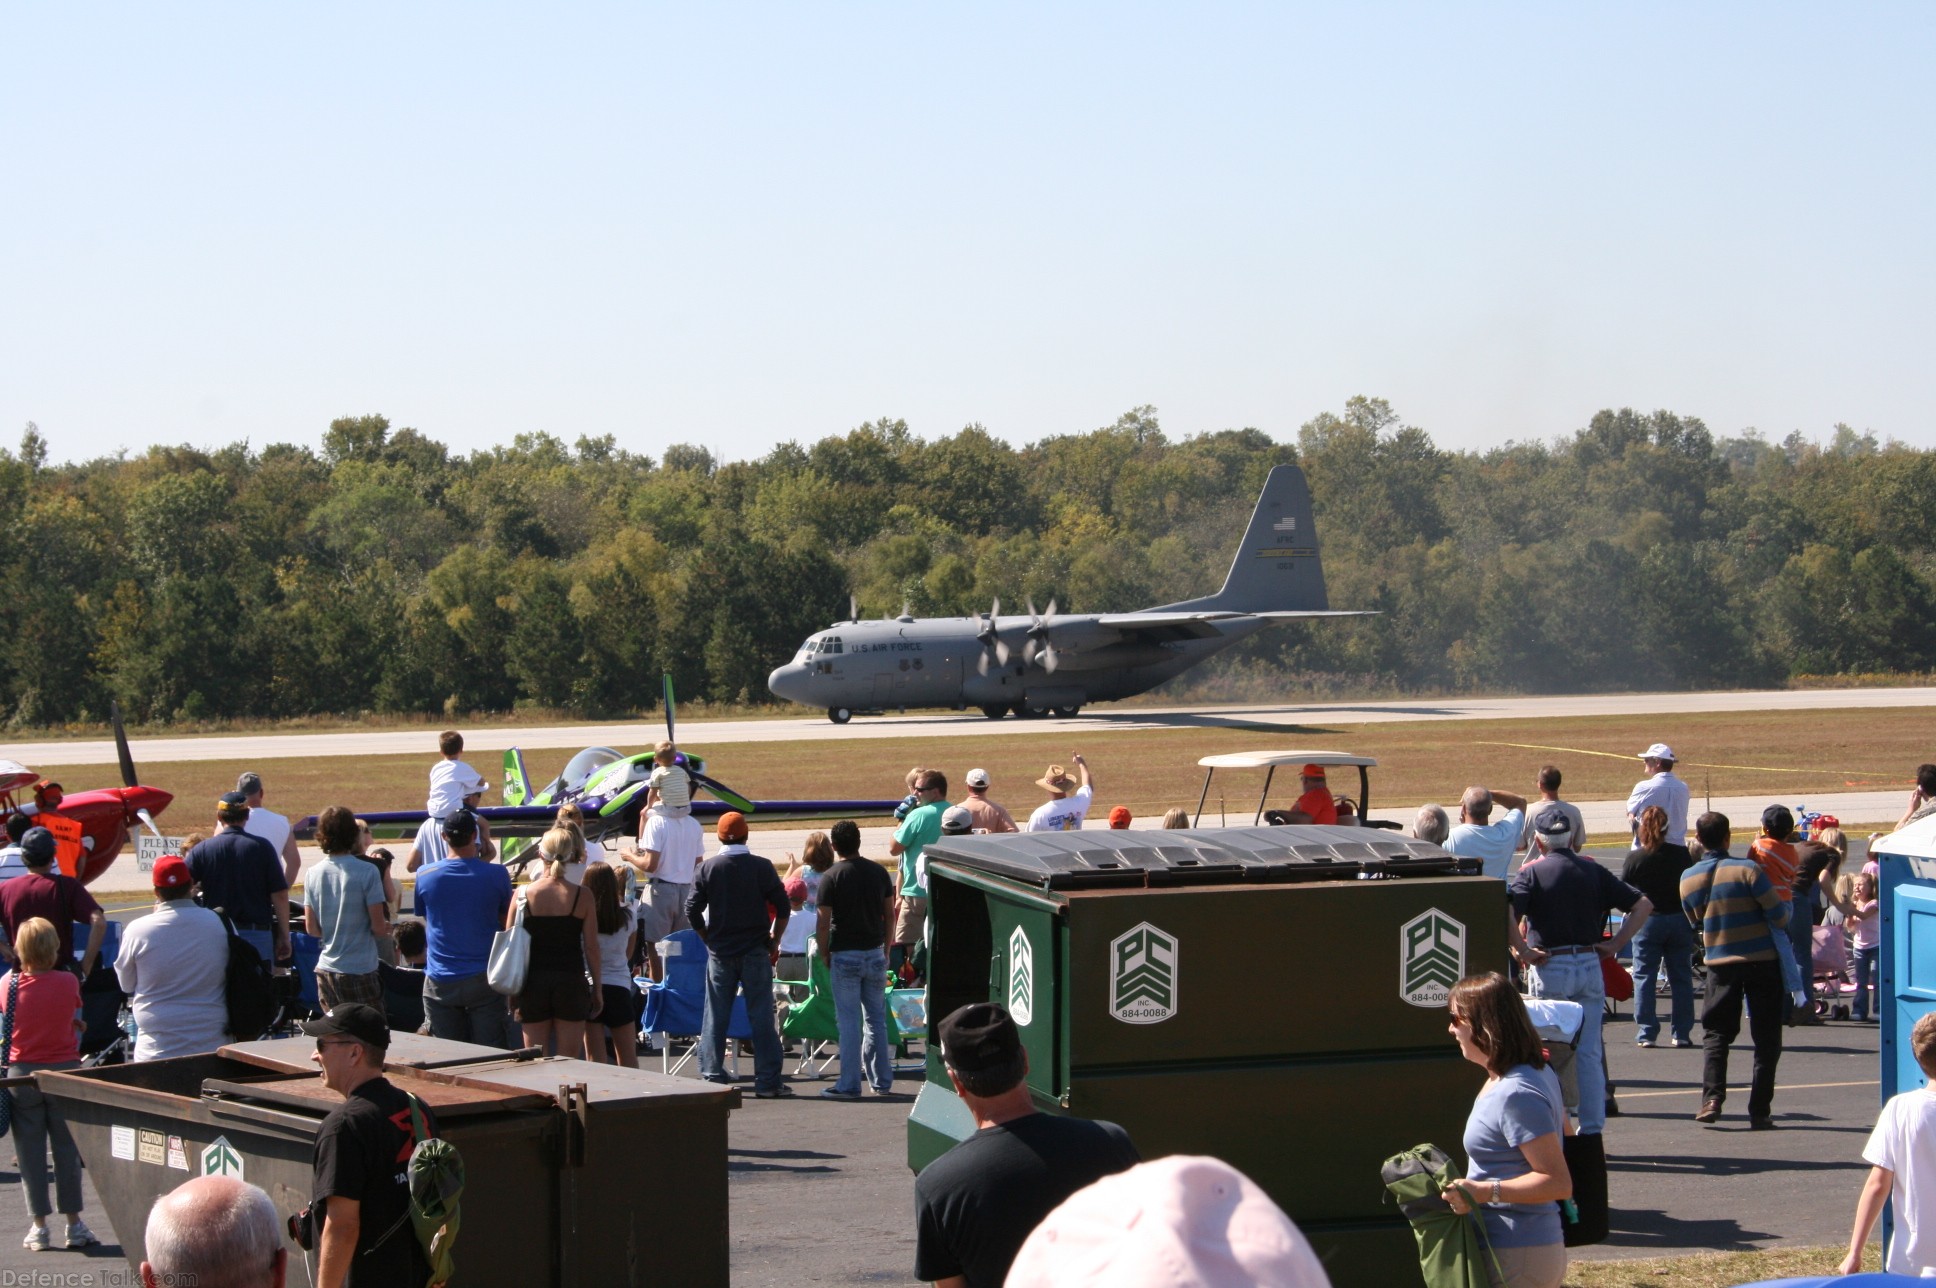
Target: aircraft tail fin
column 1276, row 568
column 517, row 783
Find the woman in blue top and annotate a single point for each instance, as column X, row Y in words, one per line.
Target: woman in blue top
column 1518, row 1168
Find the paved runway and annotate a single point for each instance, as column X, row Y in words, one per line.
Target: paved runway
column 814, row 727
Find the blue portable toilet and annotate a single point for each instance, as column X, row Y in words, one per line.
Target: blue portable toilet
column 1906, row 978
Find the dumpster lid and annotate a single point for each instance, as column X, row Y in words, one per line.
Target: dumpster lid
column 1270, row 759
column 1102, row 859
column 407, row 1050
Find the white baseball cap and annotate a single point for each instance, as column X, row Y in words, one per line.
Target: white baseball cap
column 978, row 778
column 1178, row 1221
column 1659, row 751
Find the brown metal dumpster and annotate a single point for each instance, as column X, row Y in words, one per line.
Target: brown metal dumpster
column 551, row 1149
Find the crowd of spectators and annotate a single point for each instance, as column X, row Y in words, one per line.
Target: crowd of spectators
column 592, row 931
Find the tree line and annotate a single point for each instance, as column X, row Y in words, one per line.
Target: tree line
column 386, row 573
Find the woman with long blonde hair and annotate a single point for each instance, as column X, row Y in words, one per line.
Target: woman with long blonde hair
column 562, row 920
column 1666, row 940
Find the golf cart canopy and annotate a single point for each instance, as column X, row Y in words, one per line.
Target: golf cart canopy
column 1268, row 761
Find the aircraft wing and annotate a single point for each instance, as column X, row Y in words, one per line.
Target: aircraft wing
column 1138, row 621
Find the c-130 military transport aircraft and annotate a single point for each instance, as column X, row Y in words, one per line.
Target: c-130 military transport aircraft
column 1052, row 665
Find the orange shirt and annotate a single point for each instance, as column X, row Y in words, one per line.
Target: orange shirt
column 1318, row 804
column 1779, row 860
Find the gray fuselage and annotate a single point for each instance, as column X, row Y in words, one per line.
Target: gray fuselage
column 941, row 662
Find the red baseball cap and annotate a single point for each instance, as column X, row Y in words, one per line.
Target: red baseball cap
column 171, row 872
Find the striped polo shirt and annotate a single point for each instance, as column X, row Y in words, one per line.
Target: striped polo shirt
column 1737, row 912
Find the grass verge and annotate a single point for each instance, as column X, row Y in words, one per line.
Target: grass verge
column 1776, row 755
column 1713, row 1269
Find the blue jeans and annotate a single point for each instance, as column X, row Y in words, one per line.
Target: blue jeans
column 1576, row 977
column 751, row 973
column 860, row 993
column 1664, row 941
column 1801, row 941
column 1865, row 964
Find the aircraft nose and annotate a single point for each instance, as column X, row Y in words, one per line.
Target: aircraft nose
column 789, row 682
column 152, row 799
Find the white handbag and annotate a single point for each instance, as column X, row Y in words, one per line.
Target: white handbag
column 510, row 956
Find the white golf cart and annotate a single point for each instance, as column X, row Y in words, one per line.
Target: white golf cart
column 1351, row 813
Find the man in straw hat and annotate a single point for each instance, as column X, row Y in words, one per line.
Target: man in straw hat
column 1068, row 802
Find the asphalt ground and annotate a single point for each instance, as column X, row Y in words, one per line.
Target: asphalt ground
column 821, row 1193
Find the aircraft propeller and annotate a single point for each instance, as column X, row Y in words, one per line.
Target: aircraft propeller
column 992, row 641
column 1039, row 644
column 121, row 751
column 713, row 785
column 853, row 609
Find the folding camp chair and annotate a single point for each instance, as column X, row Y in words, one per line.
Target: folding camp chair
column 676, row 1006
column 813, row 1024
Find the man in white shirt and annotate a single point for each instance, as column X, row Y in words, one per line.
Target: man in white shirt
column 668, row 853
column 430, row 846
column 270, row 826
column 1480, row 836
column 1068, row 802
column 1661, row 788
column 1549, row 802
column 11, row 864
column 174, row 964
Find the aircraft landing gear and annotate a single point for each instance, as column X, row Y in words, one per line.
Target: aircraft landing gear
column 994, row 713
column 1065, row 713
column 840, row 715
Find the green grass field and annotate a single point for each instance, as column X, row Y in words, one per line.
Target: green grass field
column 1782, row 755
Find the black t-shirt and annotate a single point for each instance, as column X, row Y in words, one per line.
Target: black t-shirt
column 1657, row 874
column 1811, row 862
column 362, row 1153
column 1565, row 899
column 856, row 891
column 238, row 873
column 976, row 1204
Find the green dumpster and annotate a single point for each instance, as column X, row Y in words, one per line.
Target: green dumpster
column 551, row 1150
column 1274, row 997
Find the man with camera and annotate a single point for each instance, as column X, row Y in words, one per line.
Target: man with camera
column 359, row 1217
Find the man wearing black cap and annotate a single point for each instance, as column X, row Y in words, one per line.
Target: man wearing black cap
column 1565, row 898
column 243, row 876
column 976, row 1204
column 462, row 900
column 45, row 891
column 361, row 1198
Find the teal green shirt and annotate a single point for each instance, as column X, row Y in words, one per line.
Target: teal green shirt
column 917, row 831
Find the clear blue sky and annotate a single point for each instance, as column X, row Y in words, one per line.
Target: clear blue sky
column 739, row 224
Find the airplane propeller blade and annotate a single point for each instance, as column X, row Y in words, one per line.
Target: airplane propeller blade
column 670, row 736
column 121, row 751
column 853, row 609
column 148, row 821
column 906, row 609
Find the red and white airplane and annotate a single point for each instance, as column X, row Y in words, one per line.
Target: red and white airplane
column 90, row 827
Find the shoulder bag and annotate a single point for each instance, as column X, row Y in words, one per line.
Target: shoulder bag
column 510, row 956
column 6, row 1049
